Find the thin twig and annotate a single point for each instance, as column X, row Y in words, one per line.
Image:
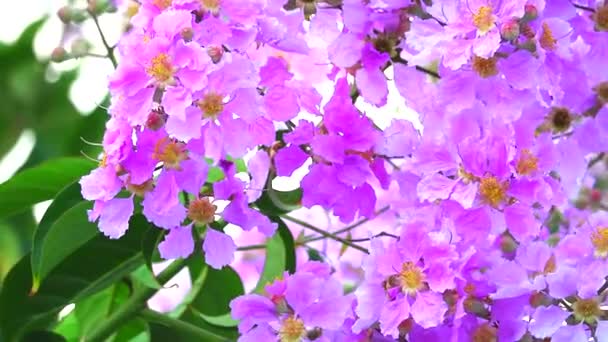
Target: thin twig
column 324, row 233
column 583, row 7
column 351, row 227
column 596, row 160
column 375, row 236
column 109, row 49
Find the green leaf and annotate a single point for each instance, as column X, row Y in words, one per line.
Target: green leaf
column 224, row 320
column 280, row 255
column 95, row 308
column 63, row 228
column 220, row 287
column 40, row 183
column 274, row 202
column 93, row 267
column 136, row 330
column 69, row 327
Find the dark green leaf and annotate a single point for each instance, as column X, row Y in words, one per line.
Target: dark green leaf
column 137, row 330
column 280, row 255
column 274, row 202
column 40, row 183
column 95, row 308
column 63, row 229
column 93, row 267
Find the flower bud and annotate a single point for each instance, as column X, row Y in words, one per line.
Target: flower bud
column 65, row 14
column 79, row 47
column 98, row 7
column 215, row 52
column 510, row 30
column 59, row 55
column 507, row 244
column 540, row 299
column 602, row 92
column 78, row 15
column 155, row 120
column 531, row 13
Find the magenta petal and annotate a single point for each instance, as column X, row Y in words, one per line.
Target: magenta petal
column 392, row 315
column 114, row 217
column 288, row 159
column 219, row 248
column 177, row 244
column 546, row 321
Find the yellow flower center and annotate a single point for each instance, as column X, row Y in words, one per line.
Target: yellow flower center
column 527, row 163
column 601, row 18
column 201, row 211
column 485, row 67
column 599, row 239
column 212, row 6
column 411, row 277
column 483, row 19
column 292, row 330
column 212, row 104
column 492, row 191
column 140, row 189
column 169, row 152
column 547, row 40
column 587, row 310
column 485, row 333
column 161, row 69
column 162, row 4
column 132, row 9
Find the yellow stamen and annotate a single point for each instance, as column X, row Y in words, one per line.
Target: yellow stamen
column 599, row 239
column 212, row 6
column 292, row 330
column 547, row 40
column 201, row 211
column 483, row 19
column 527, row 163
column 587, row 310
column 212, row 104
column 162, row 4
column 161, row 69
column 492, row 191
column 412, row 278
column 171, row 153
column 485, row 67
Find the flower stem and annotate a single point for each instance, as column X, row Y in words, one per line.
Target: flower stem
column 133, row 305
column 190, row 329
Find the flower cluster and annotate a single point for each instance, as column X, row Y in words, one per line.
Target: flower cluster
column 497, row 227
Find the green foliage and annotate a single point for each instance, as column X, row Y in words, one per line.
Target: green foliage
column 40, row 183
column 280, row 255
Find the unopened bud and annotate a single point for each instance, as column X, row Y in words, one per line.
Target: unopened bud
column 595, row 196
column 155, row 120
column 508, row 245
column 187, row 33
column 314, row 333
column 97, row 7
column 531, row 13
column 78, row 15
column 539, row 299
column 65, row 14
column 476, row 307
column 528, row 45
column 215, row 52
column 79, row 47
column 59, row 55
column 510, row 30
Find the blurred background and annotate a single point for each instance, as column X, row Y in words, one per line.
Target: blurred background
column 47, row 110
